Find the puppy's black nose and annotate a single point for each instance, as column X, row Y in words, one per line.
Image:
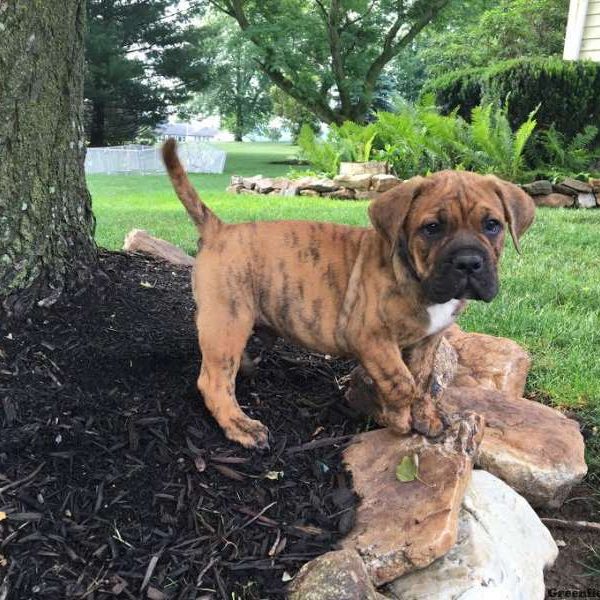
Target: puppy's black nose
column 467, row 262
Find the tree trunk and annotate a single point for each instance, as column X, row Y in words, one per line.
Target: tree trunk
column 46, row 221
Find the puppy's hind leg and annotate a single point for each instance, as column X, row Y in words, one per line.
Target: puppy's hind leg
column 222, row 341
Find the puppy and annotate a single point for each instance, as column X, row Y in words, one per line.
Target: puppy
column 381, row 294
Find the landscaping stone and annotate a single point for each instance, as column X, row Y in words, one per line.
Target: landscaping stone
column 595, row 183
column 264, row 185
column 573, row 187
column 489, row 362
column 139, row 240
column 370, row 195
column 354, row 182
column 322, row 185
column 234, row 189
column 543, row 187
column 384, row 182
column 403, row 526
column 369, row 168
column 339, row 575
column 341, row 194
column 309, row 192
column 249, row 183
column 554, row 200
column 501, row 552
column 236, row 180
column 533, row 448
column 586, row 200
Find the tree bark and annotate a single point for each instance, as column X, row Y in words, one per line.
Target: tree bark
column 46, row 222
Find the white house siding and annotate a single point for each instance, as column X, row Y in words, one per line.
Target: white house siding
column 590, row 43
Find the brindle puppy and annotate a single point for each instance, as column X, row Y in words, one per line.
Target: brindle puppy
column 375, row 294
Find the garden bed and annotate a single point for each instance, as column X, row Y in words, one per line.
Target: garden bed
column 116, row 482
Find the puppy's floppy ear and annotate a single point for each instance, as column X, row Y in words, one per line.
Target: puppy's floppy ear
column 519, row 208
column 389, row 211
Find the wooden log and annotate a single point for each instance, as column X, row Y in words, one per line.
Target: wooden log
column 139, row 240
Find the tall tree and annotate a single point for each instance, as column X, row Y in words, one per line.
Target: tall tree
column 46, row 222
column 329, row 54
column 238, row 91
column 142, row 56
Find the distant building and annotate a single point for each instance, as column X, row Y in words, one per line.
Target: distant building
column 582, row 40
column 185, row 132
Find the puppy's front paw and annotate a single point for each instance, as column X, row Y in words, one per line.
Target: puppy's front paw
column 427, row 419
column 398, row 420
column 250, row 433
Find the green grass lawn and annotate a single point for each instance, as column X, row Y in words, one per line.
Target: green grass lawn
column 550, row 297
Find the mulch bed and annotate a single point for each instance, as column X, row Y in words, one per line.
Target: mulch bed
column 115, row 480
column 117, row 483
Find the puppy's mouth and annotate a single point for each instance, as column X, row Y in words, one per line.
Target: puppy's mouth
column 462, row 276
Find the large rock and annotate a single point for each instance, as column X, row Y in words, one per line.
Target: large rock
column 501, row 552
column 339, row 575
column 534, row 448
column 322, row 185
column 554, row 200
column 264, row 185
column 573, row 186
column 489, row 362
column 384, row 182
column 341, row 194
column 586, row 200
column 372, row 167
column 249, row 183
column 543, row 187
column 354, row 182
column 403, row 526
column 139, row 240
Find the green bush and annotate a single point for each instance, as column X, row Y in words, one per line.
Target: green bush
column 418, row 139
column 568, row 92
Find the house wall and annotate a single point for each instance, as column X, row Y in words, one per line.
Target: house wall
column 590, row 43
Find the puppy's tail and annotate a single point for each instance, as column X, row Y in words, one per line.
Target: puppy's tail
column 203, row 217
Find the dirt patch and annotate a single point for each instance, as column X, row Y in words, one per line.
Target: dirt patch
column 116, row 482
column 115, row 479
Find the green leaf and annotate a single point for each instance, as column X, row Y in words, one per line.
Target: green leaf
column 408, row 469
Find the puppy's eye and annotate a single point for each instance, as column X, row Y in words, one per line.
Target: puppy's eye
column 492, row 226
column 432, row 229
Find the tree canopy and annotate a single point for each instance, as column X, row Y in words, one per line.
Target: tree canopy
column 329, row 55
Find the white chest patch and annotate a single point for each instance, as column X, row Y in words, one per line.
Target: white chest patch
column 442, row 315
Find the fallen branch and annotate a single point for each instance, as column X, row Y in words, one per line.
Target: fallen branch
column 319, row 443
column 576, row 525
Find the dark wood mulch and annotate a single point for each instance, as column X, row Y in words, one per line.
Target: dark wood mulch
column 116, row 482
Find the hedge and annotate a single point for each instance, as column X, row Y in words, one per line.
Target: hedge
column 568, row 92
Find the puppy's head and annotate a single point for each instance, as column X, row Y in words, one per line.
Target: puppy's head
column 449, row 228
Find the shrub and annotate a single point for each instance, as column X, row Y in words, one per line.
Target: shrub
column 322, row 156
column 568, row 92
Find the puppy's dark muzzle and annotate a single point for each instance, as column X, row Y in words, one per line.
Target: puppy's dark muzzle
column 462, row 272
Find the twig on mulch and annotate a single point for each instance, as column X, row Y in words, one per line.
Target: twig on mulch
column 577, row 525
column 322, row 443
column 14, row 484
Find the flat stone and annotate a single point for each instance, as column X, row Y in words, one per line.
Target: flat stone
column 309, row 192
column 322, row 185
column 249, row 183
column 341, row 194
column 384, row 182
column 501, row 551
column 554, row 200
column 234, row 189
column 354, row 182
column 403, row 526
column 281, row 183
column 236, row 180
column 586, row 200
column 370, row 195
column 264, row 185
column 533, row 448
column 572, row 186
column 372, row 167
column 338, row 575
column 139, row 240
column 489, row 362
column 543, row 187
